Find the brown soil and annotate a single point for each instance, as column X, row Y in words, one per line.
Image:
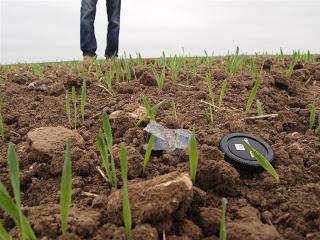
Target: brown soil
column 258, row 207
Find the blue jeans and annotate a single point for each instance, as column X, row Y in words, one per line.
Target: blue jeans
column 88, row 42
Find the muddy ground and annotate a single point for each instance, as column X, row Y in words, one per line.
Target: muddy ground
column 258, row 208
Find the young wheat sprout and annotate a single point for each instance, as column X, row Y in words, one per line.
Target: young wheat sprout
column 83, row 99
column 68, row 108
column 252, row 95
column 223, row 227
column 263, row 162
column 222, row 93
column 66, row 189
column 126, row 212
column 312, row 117
column 13, row 207
column 193, row 157
column 108, row 137
column 74, row 102
column 147, row 154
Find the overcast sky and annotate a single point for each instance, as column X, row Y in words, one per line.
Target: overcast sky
column 48, row 30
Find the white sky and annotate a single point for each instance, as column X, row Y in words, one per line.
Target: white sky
column 48, row 30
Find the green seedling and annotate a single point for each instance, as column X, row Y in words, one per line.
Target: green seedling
column 108, row 137
column 222, row 93
column 210, row 88
column 209, row 114
column 126, row 212
column 263, row 162
column 147, row 154
column 223, row 225
column 117, row 70
column 160, row 78
column 68, row 108
column 99, row 73
column 13, row 208
column 74, row 102
column 150, row 111
column 174, row 109
column 252, row 95
column 105, row 157
column 193, row 157
column 66, row 189
column 290, row 70
column 83, row 99
column 234, row 63
column 176, row 67
column 312, row 117
column 108, row 79
column 4, row 235
column 38, row 71
column 260, row 110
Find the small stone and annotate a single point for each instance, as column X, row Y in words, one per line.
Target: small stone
column 281, row 82
column 154, row 201
column 218, row 176
column 316, row 75
column 48, row 140
column 41, row 85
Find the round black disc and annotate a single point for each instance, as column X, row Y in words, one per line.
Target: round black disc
column 235, row 151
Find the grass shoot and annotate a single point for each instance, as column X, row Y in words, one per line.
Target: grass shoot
column 290, row 70
column 260, row 110
column 126, row 212
column 160, row 78
column 150, row 111
column 83, row 99
column 193, row 157
column 3, row 233
column 147, row 154
column 74, row 102
column 223, row 225
column 13, row 207
column 68, row 108
column 222, row 93
column 174, row 110
column 1, row 126
column 66, row 189
column 263, row 162
column 252, row 95
column 108, row 79
column 108, row 137
column 312, row 117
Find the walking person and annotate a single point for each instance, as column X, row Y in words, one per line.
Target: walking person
column 88, row 42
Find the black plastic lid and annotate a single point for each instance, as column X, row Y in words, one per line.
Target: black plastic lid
column 235, row 151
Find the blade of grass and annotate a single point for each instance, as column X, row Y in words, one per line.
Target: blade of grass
column 263, row 162
column 83, row 99
column 147, row 154
column 105, row 157
column 252, row 95
column 260, row 111
column 312, row 117
column 14, row 174
column 223, row 227
column 4, row 235
column 222, row 93
column 68, row 108
column 193, row 157
column 74, row 102
column 66, row 189
column 127, row 219
column 108, row 135
column 174, row 109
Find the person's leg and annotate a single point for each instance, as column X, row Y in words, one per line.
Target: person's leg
column 113, row 11
column 88, row 42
